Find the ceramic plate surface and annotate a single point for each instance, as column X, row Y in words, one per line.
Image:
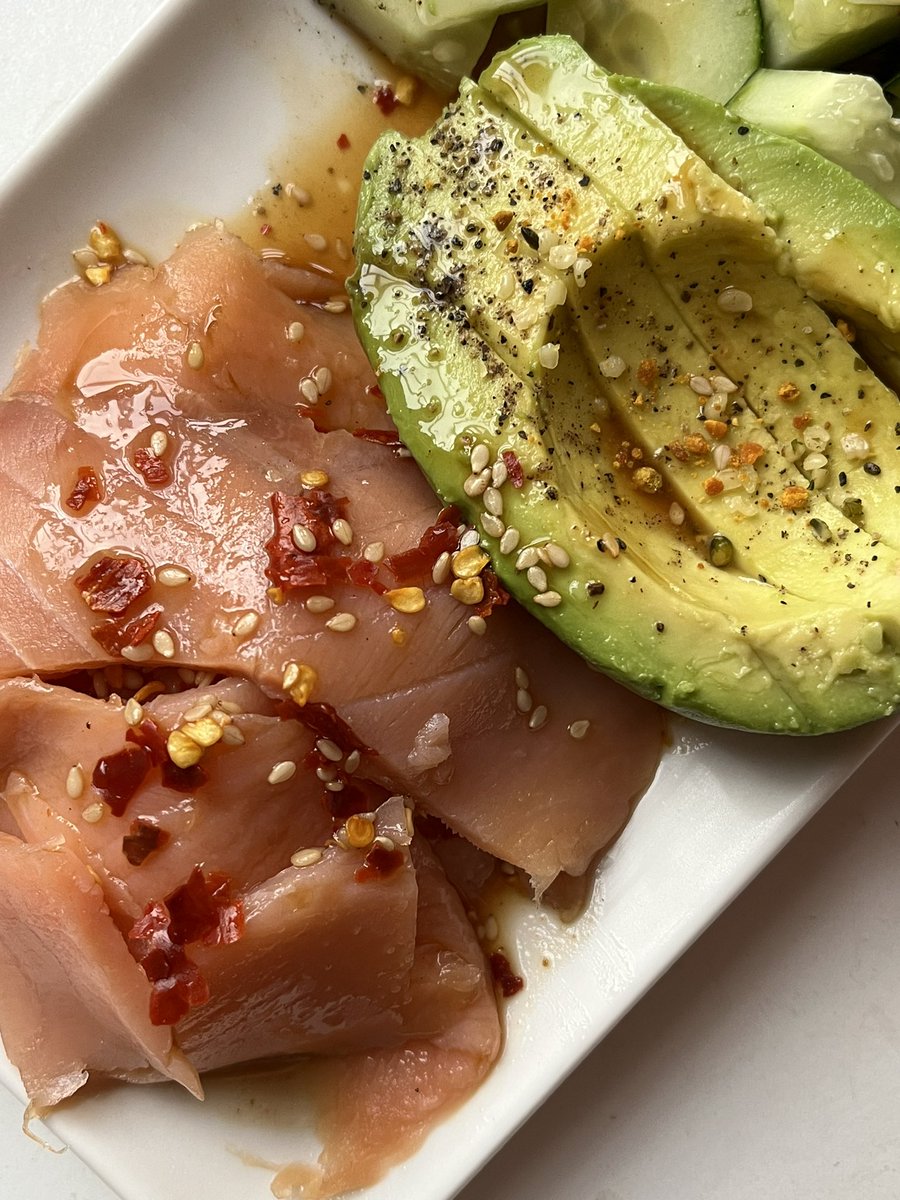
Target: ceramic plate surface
column 189, row 121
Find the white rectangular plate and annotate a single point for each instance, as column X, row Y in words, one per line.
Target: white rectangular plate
column 190, row 121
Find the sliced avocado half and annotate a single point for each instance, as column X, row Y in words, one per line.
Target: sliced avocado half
column 648, row 493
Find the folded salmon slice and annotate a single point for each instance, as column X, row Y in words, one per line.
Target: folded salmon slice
column 437, row 703
column 73, row 999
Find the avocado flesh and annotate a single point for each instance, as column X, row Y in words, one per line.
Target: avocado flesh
column 851, row 268
column 713, row 643
column 704, row 237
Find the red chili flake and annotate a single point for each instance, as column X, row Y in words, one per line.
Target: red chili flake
column 113, row 583
column 514, row 471
column 384, row 98
column 495, row 594
column 343, row 142
column 115, row 635
column 182, row 779
column 156, row 473
column 389, row 438
column 504, row 976
column 177, row 984
column 373, row 389
column 149, row 735
column 292, row 568
column 203, row 910
column 266, row 229
column 86, row 490
column 324, row 722
column 141, row 840
column 117, row 777
column 365, row 574
column 357, row 796
column 409, row 566
column 379, row 863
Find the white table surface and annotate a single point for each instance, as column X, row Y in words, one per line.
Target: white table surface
column 766, row 1064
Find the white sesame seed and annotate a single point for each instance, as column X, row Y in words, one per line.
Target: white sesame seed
column 721, row 456
column 290, row 676
column 134, row 257
column 721, row 383
column 477, row 625
column 492, row 525
column 342, row 531
column 298, row 194
column 282, row 772
column 353, row 760
column 334, row 785
column 195, row 356
column 506, row 286
column 134, row 713
column 315, row 241
column 527, row 558
column 335, row 305
column 322, row 378
column 479, row 459
column 137, row 653
column 548, row 355
column 701, row 386
column 612, row 367
column 733, row 300
column 523, row 700
column 306, row 858
column 493, row 501
column 329, row 749
column 341, row 622
column 85, row 257
column 326, row 774
column 246, row 625
column 578, row 729
column 440, row 572
column 555, row 294
column 548, row 599
column 676, row 513
column 475, row 485
column 319, row 604
column 469, row 538
column 521, row 677
column 232, row 736
column 509, row 541
column 159, row 442
column 309, row 391
column 172, row 576
column 203, row 678
column 499, row 473
column 374, row 552
column 303, row 538
column 229, row 706
column 855, row 445
column 164, row 643
column 611, row 545
column 537, row 577
column 74, row 782
column 538, row 718
column 295, row 331
column 556, row 555
column 197, row 711
column 94, row 813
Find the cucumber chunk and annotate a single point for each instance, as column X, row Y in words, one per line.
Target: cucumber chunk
column 845, row 117
column 824, row 33
column 708, row 46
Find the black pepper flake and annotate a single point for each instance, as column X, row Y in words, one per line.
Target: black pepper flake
column 660, row 627
column 842, row 478
column 595, row 587
column 583, row 181
column 743, row 130
column 276, row 190
column 530, row 236
column 528, row 286
column 871, row 468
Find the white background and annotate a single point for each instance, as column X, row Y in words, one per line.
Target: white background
column 766, row 1064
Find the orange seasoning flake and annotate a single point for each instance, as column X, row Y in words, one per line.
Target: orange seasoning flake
column 713, row 486
column 748, row 453
column 794, row 497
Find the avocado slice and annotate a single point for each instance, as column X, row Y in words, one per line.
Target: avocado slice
column 843, row 238
column 493, row 275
